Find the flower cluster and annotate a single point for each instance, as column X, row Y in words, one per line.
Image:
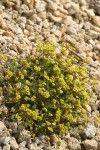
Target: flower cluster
column 46, row 90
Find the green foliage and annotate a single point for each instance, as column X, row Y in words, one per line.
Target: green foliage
column 46, row 90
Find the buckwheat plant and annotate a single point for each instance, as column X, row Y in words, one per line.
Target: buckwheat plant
column 45, row 91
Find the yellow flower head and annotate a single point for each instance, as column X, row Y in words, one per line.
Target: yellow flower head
column 9, row 74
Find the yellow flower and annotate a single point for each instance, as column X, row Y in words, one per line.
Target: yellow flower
column 20, row 75
column 17, row 85
column 0, row 89
column 32, row 57
column 24, row 107
column 26, row 90
column 0, row 73
column 83, row 111
column 16, row 79
column 25, row 62
column 33, row 98
column 50, row 129
column 24, row 72
column 18, row 118
column 9, row 74
column 17, row 97
column 37, row 68
column 28, row 83
column 3, row 57
column 27, row 98
column 14, row 59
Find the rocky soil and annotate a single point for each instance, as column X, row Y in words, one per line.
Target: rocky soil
column 22, row 23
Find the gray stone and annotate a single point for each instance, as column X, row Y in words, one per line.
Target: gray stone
column 32, row 146
column 6, row 147
column 93, row 34
column 55, row 19
column 82, row 2
column 5, row 140
column 40, row 6
column 73, row 144
column 65, row 12
column 71, row 30
column 96, row 20
column 21, row 20
column 22, row 25
column 95, row 4
column 0, row 147
column 90, row 144
column 43, row 15
column 69, row 39
column 88, row 108
column 24, row 136
column 97, row 137
column 3, row 23
column 97, row 89
column 57, row 13
column 97, row 46
column 27, row 2
column 98, row 104
column 57, row 33
column 23, row 9
column 53, row 39
column 18, row 31
column 12, row 53
column 61, row 144
column 73, row 9
column 53, row 6
column 13, row 144
column 88, row 132
column 90, row 13
column 87, row 26
column 92, row 42
column 22, row 144
column 2, row 127
column 67, row 5
column 68, row 21
column 62, row 1
column 45, row 23
column 23, row 148
column 29, row 13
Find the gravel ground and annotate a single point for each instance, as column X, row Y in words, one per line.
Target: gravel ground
column 22, row 23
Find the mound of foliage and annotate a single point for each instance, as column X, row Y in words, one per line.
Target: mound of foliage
column 45, row 91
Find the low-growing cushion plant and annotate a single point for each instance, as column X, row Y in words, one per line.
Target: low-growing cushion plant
column 45, row 91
